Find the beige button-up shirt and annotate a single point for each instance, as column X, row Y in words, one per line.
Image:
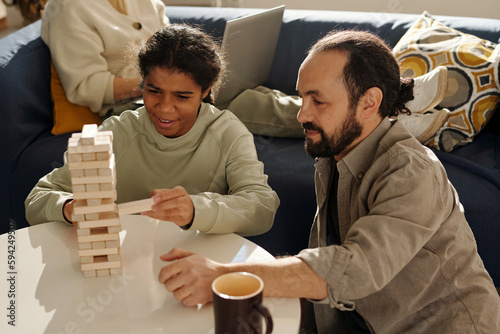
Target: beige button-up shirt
column 408, row 261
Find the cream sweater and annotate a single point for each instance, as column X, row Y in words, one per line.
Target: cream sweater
column 87, row 40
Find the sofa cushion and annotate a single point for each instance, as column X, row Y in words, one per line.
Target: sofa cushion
column 68, row 117
column 473, row 70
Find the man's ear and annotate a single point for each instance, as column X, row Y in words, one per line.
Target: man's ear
column 370, row 102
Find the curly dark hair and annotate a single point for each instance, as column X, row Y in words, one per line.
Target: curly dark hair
column 370, row 63
column 188, row 50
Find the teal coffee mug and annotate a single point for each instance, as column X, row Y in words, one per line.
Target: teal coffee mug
column 238, row 304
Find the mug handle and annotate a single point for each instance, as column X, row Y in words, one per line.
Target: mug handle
column 266, row 314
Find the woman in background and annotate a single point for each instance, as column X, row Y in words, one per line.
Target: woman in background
column 87, row 40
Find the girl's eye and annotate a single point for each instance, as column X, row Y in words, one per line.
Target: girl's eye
column 153, row 91
column 183, row 97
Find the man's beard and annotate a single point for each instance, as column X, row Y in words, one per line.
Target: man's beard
column 332, row 145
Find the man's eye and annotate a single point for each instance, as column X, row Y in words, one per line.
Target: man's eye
column 317, row 102
column 153, row 91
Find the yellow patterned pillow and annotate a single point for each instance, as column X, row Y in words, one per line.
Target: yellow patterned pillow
column 68, row 117
column 473, row 76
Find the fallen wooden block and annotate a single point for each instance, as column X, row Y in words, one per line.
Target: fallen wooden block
column 135, row 206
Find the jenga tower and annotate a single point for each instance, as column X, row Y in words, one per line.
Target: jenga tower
column 92, row 165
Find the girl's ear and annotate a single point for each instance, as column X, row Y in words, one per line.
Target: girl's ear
column 206, row 92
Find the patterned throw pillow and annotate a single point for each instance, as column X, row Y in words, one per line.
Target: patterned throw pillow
column 473, row 76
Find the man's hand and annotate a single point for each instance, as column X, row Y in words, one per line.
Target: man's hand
column 173, row 205
column 189, row 276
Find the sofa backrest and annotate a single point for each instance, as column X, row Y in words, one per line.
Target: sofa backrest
column 26, row 109
column 301, row 28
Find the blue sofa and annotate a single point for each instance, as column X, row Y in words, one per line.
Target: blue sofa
column 29, row 150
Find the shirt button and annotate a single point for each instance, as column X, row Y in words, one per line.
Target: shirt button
column 360, row 176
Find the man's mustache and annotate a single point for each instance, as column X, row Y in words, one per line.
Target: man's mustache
column 311, row 127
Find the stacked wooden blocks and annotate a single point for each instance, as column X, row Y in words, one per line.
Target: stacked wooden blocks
column 92, row 165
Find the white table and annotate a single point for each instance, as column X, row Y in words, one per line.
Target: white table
column 52, row 296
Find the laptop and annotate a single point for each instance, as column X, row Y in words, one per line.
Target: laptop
column 249, row 44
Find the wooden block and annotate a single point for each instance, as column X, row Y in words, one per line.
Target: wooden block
column 105, row 172
column 98, row 252
column 100, row 265
column 85, row 245
column 114, row 257
column 92, row 216
column 98, row 245
column 89, row 133
column 112, row 243
column 94, row 201
column 92, row 179
column 114, row 229
column 77, row 218
column 95, row 194
column 135, row 206
column 107, row 186
column 82, row 231
column 81, row 207
column 78, row 187
column 75, row 158
column 72, row 143
column 77, row 173
column 89, row 156
column 89, row 273
column 103, row 272
column 103, row 156
column 86, row 259
column 101, row 145
column 92, row 187
column 98, row 237
column 90, row 172
column 87, row 164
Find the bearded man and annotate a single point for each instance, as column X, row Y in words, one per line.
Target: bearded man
column 390, row 248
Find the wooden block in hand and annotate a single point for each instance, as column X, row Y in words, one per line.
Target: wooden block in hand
column 135, row 206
